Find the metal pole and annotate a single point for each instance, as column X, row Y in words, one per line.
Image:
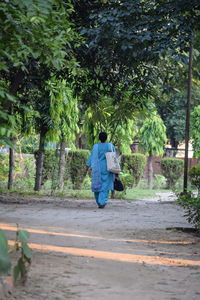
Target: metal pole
column 187, row 121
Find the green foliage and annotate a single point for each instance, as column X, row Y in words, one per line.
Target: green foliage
column 194, row 174
column 172, row 111
column 153, row 135
column 35, row 35
column 24, row 169
column 50, row 163
column 27, row 145
column 24, row 259
column 179, row 184
column 63, row 112
column 118, row 120
column 172, row 169
column 8, row 122
column 195, row 134
column 76, row 160
column 3, row 166
column 35, row 28
column 159, row 182
column 171, row 104
column 133, row 164
column 5, row 262
column 136, row 194
column 143, row 184
column 191, row 204
column 56, row 122
column 86, row 183
column 137, row 34
column 127, row 180
column 74, row 168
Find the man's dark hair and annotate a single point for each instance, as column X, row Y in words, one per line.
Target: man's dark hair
column 102, row 136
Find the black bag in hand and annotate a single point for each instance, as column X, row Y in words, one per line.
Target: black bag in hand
column 118, row 185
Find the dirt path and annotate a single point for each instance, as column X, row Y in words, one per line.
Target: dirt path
column 122, row 252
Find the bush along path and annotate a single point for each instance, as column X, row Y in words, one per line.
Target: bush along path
column 190, row 200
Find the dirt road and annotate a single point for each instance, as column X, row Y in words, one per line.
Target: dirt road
column 122, row 252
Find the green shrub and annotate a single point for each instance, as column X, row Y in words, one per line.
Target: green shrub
column 24, row 170
column 86, row 183
column 68, row 167
column 50, row 163
column 27, row 145
column 74, row 167
column 76, row 162
column 127, row 180
column 172, row 169
column 179, row 184
column 194, row 174
column 143, row 184
column 134, row 164
column 191, row 204
column 4, row 157
column 190, row 201
column 159, row 182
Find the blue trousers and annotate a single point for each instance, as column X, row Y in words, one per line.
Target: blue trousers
column 101, row 197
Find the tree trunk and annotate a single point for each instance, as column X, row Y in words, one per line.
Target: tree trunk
column 62, row 162
column 150, row 171
column 11, row 168
column 39, row 163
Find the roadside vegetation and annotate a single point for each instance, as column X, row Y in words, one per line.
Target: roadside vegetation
column 78, row 186
column 70, row 69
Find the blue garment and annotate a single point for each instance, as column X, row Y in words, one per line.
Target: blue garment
column 102, row 180
column 101, row 198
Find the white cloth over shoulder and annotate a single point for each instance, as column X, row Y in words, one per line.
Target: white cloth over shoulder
column 113, row 162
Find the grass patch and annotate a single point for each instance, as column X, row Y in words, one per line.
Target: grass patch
column 131, row 194
column 137, row 194
column 83, row 194
column 67, row 193
column 20, row 192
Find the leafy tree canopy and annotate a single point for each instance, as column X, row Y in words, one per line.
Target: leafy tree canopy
column 153, row 135
column 124, row 40
column 35, row 35
column 35, row 29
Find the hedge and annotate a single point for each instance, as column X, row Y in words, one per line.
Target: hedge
column 194, row 174
column 75, row 167
column 133, row 164
column 50, row 163
column 172, row 169
column 4, row 157
column 191, row 201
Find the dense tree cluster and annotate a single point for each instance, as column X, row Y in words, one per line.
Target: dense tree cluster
column 102, row 64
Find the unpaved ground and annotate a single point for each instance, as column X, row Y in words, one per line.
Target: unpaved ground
column 122, row 252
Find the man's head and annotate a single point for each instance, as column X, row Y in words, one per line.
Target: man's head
column 103, row 137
